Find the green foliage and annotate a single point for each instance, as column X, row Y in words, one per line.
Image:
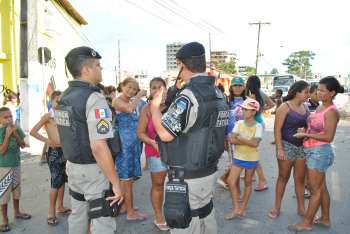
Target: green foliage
column 299, row 63
column 250, row 71
column 274, row 71
column 227, row 67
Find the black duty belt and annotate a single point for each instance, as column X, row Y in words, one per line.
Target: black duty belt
column 200, row 172
column 203, row 211
column 76, row 195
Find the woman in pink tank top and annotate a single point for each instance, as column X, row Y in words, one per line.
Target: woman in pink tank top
column 321, row 128
column 147, row 134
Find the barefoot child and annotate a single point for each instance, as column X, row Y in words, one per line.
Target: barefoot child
column 55, row 160
column 11, row 140
column 246, row 137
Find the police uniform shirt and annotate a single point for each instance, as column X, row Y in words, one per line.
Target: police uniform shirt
column 99, row 117
column 182, row 113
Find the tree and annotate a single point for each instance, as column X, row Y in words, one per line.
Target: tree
column 227, row 67
column 299, row 63
column 250, row 70
column 274, row 71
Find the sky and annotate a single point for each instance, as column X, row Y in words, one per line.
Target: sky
column 144, row 27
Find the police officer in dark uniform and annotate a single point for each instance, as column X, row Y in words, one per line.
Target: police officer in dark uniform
column 192, row 135
column 84, row 122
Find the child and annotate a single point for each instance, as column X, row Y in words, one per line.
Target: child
column 55, row 160
column 246, row 137
column 11, row 140
column 313, row 103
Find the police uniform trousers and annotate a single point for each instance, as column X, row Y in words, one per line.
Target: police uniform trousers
column 201, row 192
column 89, row 180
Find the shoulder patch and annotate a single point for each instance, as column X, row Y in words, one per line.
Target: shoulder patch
column 101, row 113
column 103, row 126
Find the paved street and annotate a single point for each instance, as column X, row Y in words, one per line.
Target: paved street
column 35, row 180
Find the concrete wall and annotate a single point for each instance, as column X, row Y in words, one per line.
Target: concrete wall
column 48, row 26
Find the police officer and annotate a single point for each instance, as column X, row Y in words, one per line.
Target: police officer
column 192, row 133
column 84, row 122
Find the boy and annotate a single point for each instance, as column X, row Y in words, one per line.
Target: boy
column 55, row 160
column 313, row 103
column 11, row 140
column 246, row 137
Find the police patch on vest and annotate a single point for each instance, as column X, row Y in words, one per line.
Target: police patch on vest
column 103, row 126
column 222, row 119
column 62, row 118
column 175, row 119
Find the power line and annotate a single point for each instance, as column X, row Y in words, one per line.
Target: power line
column 149, row 12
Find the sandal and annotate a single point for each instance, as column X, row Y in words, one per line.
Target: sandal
column 161, row 226
column 52, row 221
column 260, row 188
column 66, row 211
column 5, row 228
column 296, row 227
column 319, row 222
column 232, row 215
column 273, row 214
column 23, row 216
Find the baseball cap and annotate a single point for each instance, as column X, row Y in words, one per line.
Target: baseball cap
column 237, row 80
column 190, row 50
column 250, row 104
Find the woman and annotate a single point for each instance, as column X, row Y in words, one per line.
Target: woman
column 147, row 134
column 253, row 90
column 128, row 106
column 321, row 128
column 290, row 116
column 237, row 96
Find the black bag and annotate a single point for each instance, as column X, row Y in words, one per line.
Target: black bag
column 177, row 210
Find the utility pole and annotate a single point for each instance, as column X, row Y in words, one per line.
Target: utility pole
column 210, row 65
column 257, row 47
column 119, row 72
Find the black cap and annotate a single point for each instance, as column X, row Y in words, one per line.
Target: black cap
column 82, row 52
column 190, row 50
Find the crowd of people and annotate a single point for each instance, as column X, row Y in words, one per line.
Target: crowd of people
column 304, row 128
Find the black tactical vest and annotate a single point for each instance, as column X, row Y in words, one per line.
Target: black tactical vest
column 199, row 150
column 71, row 122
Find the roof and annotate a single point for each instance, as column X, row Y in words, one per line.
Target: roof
column 72, row 11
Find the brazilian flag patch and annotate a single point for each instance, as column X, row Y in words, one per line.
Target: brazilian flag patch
column 102, row 126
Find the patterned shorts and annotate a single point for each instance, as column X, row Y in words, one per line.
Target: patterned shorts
column 10, row 183
column 57, row 166
column 293, row 152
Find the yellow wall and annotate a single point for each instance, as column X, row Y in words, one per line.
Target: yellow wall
column 9, row 43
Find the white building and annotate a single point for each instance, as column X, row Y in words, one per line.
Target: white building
column 55, row 26
column 171, row 50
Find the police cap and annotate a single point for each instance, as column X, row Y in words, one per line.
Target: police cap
column 190, row 50
column 76, row 57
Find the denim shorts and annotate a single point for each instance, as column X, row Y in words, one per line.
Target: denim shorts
column 156, row 165
column 319, row 157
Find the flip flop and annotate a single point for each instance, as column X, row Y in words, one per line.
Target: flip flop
column 161, row 226
column 261, row 188
column 232, row 215
column 52, row 221
column 23, row 216
column 137, row 220
column 273, row 214
column 297, row 228
column 5, row 228
column 65, row 212
column 319, row 222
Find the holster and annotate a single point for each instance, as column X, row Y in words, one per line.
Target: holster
column 177, row 209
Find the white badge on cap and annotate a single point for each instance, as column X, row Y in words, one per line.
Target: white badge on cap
column 93, row 53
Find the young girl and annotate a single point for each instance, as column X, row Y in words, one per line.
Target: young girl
column 147, row 134
column 128, row 106
column 253, row 90
column 321, row 128
column 246, row 137
column 291, row 116
column 237, row 96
